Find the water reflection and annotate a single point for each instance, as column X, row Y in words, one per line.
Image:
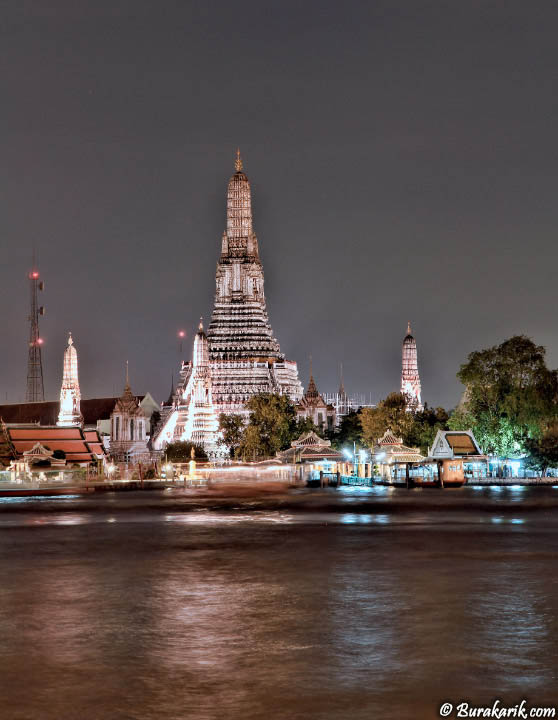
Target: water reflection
column 156, row 608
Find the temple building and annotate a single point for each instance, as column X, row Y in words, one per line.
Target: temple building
column 410, row 379
column 245, row 358
column 191, row 416
column 313, row 406
column 70, row 395
column 128, row 438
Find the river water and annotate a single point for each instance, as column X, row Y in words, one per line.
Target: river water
column 329, row 604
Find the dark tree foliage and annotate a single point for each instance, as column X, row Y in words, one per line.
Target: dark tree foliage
column 349, row 430
column 510, row 395
column 543, row 451
column 180, row 451
column 232, row 427
column 302, row 426
column 416, row 429
column 424, row 427
column 270, row 428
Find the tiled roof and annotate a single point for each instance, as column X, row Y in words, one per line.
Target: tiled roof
column 46, row 413
column 388, row 438
column 72, row 441
column 310, row 439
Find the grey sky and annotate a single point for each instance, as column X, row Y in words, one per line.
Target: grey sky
column 403, row 165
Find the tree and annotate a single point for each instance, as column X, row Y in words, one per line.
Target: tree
column 510, row 395
column 416, row 429
column 180, row 451
column 349, row 430
column 543, row 451
column 271, row 426
column 424, row 427
column 304, row 425
column 389, row 414
column 232, row 427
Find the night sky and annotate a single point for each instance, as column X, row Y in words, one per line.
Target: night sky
column 403, row 161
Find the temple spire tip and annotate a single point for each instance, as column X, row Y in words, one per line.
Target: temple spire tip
column 238, row 161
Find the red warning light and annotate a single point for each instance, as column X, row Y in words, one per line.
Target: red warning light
column 35, row 275
column 181, row 334
column 40, row 341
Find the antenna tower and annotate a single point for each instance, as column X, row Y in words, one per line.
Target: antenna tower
column 35, row 384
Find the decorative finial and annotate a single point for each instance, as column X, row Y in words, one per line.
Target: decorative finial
column 238, row 161
column 310, row 365
column 127, row 377
column 200, row 328
column 70, row 341
column 409, row 328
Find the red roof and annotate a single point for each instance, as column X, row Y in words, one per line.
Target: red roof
column 40, row 433
column 79, row 446
column 46, row 413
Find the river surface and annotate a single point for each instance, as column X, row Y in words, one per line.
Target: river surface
column 321, row 604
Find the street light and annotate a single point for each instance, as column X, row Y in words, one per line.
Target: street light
column 181, row 336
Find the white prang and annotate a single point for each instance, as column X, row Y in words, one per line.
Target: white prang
column 410, row 379
column 244, row 355
column 70, row 395
column 193, row 417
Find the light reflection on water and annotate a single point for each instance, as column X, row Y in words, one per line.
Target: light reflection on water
column 145, row 607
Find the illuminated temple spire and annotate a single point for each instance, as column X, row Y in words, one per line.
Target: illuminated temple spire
column 245, row 357
column 70, row 395
column 194, row 419
column 410, row 379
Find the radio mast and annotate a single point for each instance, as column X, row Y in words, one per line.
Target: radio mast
column 35, row 384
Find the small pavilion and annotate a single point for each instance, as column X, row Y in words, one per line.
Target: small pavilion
column 393, row 458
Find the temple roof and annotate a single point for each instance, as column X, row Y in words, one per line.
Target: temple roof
column 388, row 438
column 310, row 439
column 312, row 390
column 127, row 402
column 46, row 413
column 77, row 444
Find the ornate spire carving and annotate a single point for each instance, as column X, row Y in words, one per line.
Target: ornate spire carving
column 410, row 379
column 70, row 395
column 239, row 211
column 244, row 355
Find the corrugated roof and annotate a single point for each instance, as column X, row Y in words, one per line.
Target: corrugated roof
column 461, row 444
